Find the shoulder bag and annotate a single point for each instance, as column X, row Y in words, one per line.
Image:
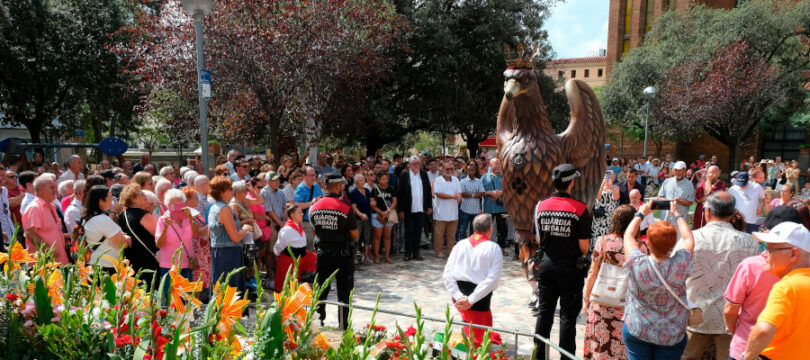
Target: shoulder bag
column 610, row 288
column 193, row 264
column 156, row 255
column 695, row 313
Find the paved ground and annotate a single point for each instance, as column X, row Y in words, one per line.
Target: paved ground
column 403, row 283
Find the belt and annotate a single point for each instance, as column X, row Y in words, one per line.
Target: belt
column 225, row 245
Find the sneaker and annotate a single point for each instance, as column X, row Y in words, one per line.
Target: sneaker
column 251, row 284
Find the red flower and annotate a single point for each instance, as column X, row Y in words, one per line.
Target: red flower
column 379, row 328
column 147, row 357
column 394, row 345
column 12, row 297
column 163, row 313
column 411, row 331
column 495, row 338
column 121, row 341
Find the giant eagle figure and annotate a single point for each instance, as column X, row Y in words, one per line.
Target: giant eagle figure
column 529, row 149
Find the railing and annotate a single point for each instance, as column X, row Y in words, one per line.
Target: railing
column 548, row 345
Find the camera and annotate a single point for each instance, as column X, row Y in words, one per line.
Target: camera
column 661, row 204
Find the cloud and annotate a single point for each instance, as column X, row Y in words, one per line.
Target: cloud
column 578, row 27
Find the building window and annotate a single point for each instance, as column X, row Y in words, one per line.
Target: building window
column 573, row 74
column 587, row 72
column 560, row 74
column 599, row 73
column 648, row 19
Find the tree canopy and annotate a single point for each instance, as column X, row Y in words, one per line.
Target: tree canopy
column 689, row 55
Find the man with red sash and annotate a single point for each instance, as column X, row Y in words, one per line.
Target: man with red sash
column 471, row 275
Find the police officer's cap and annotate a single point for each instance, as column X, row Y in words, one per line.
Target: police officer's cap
column 334, row 178
column 564, row 173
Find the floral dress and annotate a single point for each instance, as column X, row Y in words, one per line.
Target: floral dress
column 603, row 330
column 202, row 249
column 601, row 224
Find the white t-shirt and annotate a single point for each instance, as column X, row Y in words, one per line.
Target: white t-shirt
column 747, row 200
column 5, row 213
column 94, row 229
column 416, row 192
column 446, row 209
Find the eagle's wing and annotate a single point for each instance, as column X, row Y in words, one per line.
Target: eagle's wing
column 583, row 142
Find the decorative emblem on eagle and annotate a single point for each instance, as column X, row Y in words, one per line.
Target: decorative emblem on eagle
column 529, row 149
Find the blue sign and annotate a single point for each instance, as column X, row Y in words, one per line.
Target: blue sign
column 205, row 83
column 113, row 146
column 79, row 132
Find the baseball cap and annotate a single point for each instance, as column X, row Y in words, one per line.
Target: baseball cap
column 615, row 159
column 680, row 165
column 742, row 178
column 272, row 176
column 413, row 158
column 564, row 173
column 334, row 178
column 787, row 232
column 780, row 214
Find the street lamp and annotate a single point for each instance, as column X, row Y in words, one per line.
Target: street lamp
column 198, row 9
column 649, row 94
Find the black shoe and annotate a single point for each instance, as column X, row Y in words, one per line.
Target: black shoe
column 535, row 311
column 407, row 257
column 533, row 303
column 418, row 257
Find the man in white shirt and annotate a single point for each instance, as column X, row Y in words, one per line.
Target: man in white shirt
column 74, row 211
column 74, row 170
column 749, row 200
column 447, row 190
column 472, row 273
column 677, row 188
column 433, row 170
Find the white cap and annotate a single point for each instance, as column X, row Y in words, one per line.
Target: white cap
column 615, row 159
column 680, row 165
column 413, row 158
column 789, row 233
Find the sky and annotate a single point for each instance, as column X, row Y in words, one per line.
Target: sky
column 578, row 28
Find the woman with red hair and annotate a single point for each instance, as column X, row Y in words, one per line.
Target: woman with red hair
column 656, row 313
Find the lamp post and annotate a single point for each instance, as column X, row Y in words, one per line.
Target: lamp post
column 198, row 9
column 649, row 94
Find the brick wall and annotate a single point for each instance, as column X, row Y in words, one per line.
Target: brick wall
column 632, row 148
column 615, row 33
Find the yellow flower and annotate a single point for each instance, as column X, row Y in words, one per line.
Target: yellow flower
column 320, row 341
column 15, row 257
column 55, row 287
column 180, row 290
column 231, row 309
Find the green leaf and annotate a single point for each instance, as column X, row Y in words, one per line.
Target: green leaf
column 109, row 290
column 42, row 302
column 271, row 327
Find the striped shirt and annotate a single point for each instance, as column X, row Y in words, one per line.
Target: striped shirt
column 471, row 205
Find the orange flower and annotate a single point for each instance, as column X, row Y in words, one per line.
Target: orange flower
column 294, row 305
column 180, row 290
column 320, row 341
column 55, row 287
column 231, row 309
column 84, row 272
column 15, row 257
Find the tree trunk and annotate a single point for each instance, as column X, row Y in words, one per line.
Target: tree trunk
column 35, row 130
column 733, row 153
column 659, row 145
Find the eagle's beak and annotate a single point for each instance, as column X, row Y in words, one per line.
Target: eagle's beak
column 511, row 89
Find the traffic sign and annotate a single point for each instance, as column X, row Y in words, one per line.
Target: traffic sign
column 205, row 81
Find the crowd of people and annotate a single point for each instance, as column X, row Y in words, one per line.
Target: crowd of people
column 341, row 211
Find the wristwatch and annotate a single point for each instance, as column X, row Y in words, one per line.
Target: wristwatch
column 639, row 214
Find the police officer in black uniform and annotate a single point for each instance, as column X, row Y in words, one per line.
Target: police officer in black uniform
column 335, row 226
column 563, row 233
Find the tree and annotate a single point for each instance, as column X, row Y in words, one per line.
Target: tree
column 272, row 61
column 56, row 65
column 725, row 96
column 772, row 31
column 448, row 78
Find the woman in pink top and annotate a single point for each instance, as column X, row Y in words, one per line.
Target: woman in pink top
column 266, row 258
column 175, row 232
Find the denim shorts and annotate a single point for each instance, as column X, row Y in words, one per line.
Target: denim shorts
column 378, row 224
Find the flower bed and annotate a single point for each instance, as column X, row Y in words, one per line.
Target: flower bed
column 48, row 311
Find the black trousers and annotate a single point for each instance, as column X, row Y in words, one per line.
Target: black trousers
column 327, row 264
column 413, row 232
column 563, row 282
column 500, row 224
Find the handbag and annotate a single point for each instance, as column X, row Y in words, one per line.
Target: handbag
column 193, row 263
column 695, row 313
column 257, row 231
column 393, row 217
column 610, row 288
